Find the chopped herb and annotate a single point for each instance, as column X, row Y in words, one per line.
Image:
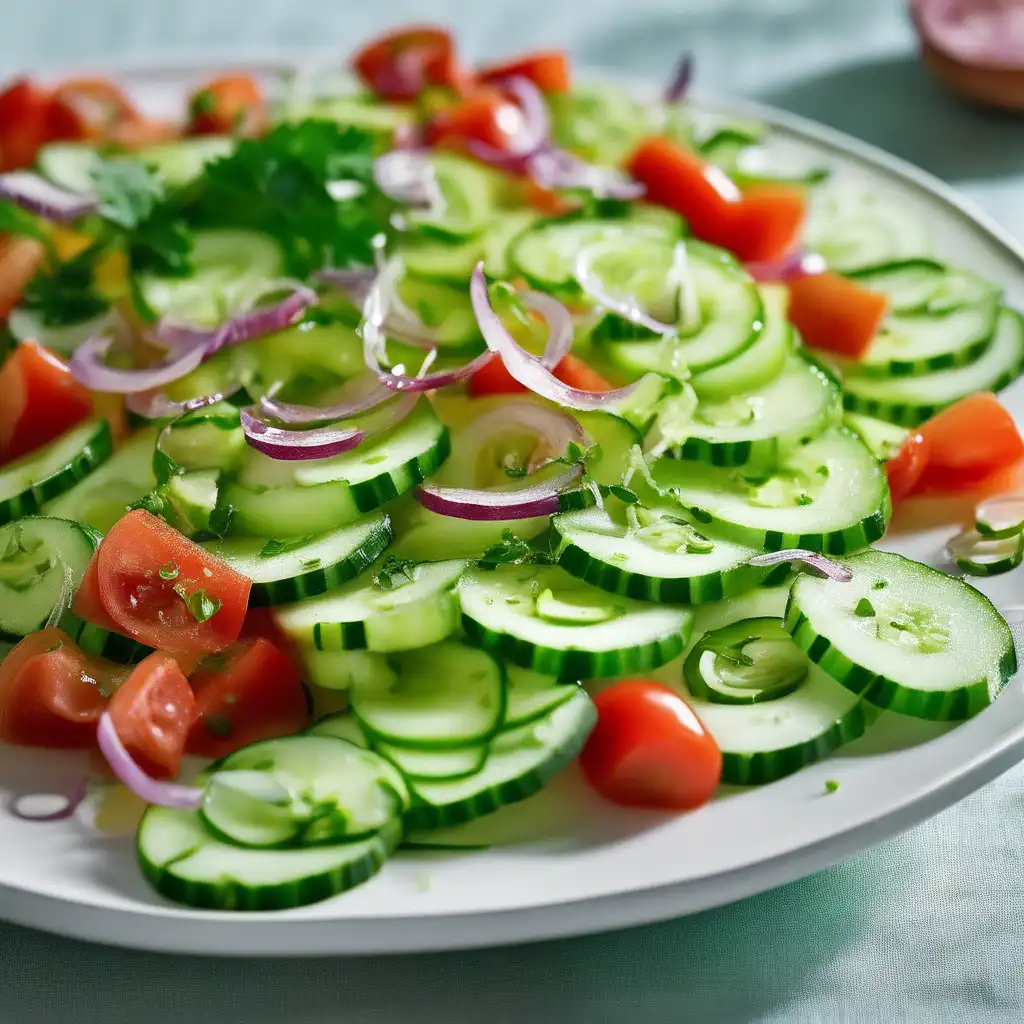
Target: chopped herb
column 880, row 585
column 128, row 191
column 164, row 467
column 831, row 785
column 624, row 494
column 66, row 292
column 220, row 519
column 394, row 572
column 515, row 472
column 204, row 102
column 217, row 725
column 864, row 608
column 822, row 471
column 804, row 499
column 152, row 503
column 510, row 550
column 700, row 515
column 279, row 547
column 199, row 603
column 168, row 571
column 19, row 223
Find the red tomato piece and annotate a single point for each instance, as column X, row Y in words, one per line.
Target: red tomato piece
column 649, row 749
column 20, row 259
column 89, row 108
column 231, row 105
column 51, row 692
column 835, row 314
column 152, row 712
column 493, row 379
column 577, row 374
column 39, row 400
column 696, row 190
column 162, row 589
column 399, row 65
column 548, row 201
column 251, row 692
column 482, row 116
column 768, row 222
column 904, row 469
column 547, row 69
column 969, row 442
column 23, row 124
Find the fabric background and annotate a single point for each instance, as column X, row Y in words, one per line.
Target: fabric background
column 926, row 928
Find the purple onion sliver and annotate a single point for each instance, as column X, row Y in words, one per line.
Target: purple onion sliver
column 494, row 506
column 39, row 196
column 291, row 413
column 679, row 83
column 255, row 324
column 89, row 367
column 555, row 168
column 72, row 801
column 153, row 791
column 535, row 133
column 559, row 322
column 158, row 406
column 833, row 570
column 295, row 445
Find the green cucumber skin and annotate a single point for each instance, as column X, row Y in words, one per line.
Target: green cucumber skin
column 96, row 640
column 96, row 450
column 228, row 895
column 575, row 664
column 760, row 768
column 683, row 590
column 319, row 581
column 912, row 367
column 938, row 705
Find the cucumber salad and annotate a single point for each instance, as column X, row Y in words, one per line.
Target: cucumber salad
column 370, row 453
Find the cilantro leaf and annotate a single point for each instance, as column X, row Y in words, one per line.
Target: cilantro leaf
column 394, row 572
column 128, row 192
column 164, row 467
column 280, row 547
column 66, row 293
column 168, row 571
column 220, row 519
column 199, row 603
column 865, row 609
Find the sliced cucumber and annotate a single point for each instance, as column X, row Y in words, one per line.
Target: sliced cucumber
column 181, row 162
column 999, row 517
column 339, row 670
column 191, row 499
column 355, row 109
column 470, row 193
column 342, row 726
column 69, row 165
column 603, row 123
column 542, row 618
column 24, row 322
column 288, row 499
column 912, row 400
column 662, row 558
column 28, row 483
column 448, row 695
column 760, row 427
column 301, row 791
column 96, row 640
column 904, row 636
column 923, row 286
column 42, row 562
column 413, row 606
column 978, row 555
column 521, row 761
column 184, row 862
column 214, row 441
column 105, row 494
column 416, row 764
column 532, row 695
column 445, row 309
column 828, row 495
column 284, row 571
column 882, row 439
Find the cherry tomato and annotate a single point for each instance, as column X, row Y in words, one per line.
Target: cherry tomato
column 231, row 105
column 401, row 64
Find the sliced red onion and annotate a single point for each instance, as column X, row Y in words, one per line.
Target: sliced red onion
column 553, row 427
column 467, row 503
column 251, row 322
column 528, row 369
column 88, row 366
column 21, row 807
column 789, row 268
column 679, row 83
column 293, row 445
column 291, row 413
column 153, row 791
column 179, row 336
column 39, row 196
column 407, row 176
column 555, row 168
column 529, row 135
column 155, row 405
column 355, row 281
column 833, row 570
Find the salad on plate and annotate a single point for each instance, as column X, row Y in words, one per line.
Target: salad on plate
column 372, row 450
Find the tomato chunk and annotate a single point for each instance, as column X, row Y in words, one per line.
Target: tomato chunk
column 252, row 691
column 23, row 124
column 493, row 379
column 969, row 442
column 162, row 589
column 649, row 749
column 232, row 104
column 90, row 108
column 835, row 314
column 52, row 692
column 20, row 259
column 905, row 468
column 399, row 65
column 768, row 222
column 39, row 400
column 152, row 712
column 547, row 69
column 482, row 117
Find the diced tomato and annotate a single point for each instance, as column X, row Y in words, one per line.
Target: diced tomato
column 482, row 116
column 835, row 314
column 39, row 400
column 547, row 69
column 250, row 692
column 649, row 749
column 548, row 201
column 88, row 603
column 162, row 589
column 23, row 124
column 399, row 65
column 153, row 711
column 493, row 379
column 904, row 469
column 698, row 191
column 90, row 108
column 20, row 259
column 768, row 222
column 577, row 374
column 231, row 105
column 968, row 443
column 50, row 692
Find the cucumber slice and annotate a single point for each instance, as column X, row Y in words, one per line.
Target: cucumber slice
column 521, row 761
column 301, row 791
column 96, row 640
column 24, row 323
column 446, row 310
column 28, row 483
column 470, row 193
column 758, row 364
column 999, row 517
column 42, row 562
column 532, row 695
column 215, row 441
column 342, row 726
column 663, row 559
column 69, row 165
column 924, row 286
column 284, row 571
column 448, row 695
column 358, row 110
column 978, row 555
column 904, row 636
column 191, row 499
column 181, row 162
column 911, row 400
column 602, row 124
column 271, row 498
column 185, row 863
column 369, row 613
column 759, row 427
column 542, row 618
column 457, row 763
column 746, row 662
column 105, row 494
column 338, row 670
column 828, row 495
column 883, row 440
column 449, row 263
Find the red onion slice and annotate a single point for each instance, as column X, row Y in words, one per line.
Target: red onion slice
column 70, row 802
column 153, row 791
column 88, row 366
column 155, row 405
column 553, row 428
column 555, row 168
column 291, row 413
column 407, row 176
column 679, row 83
column 528, row 369
column 789, row 268
column 833, row 570
column 39, row 196
column 467, row 503
column 293, row 445
column 355, row 281
column 251, row 322
column 531, row 133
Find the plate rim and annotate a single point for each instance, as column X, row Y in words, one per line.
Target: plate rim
column 276, row 934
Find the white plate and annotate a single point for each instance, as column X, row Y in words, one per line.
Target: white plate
column 569, row 864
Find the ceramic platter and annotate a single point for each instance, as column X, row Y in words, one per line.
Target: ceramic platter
column 564, row 863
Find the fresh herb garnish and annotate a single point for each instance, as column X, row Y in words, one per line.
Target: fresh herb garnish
column 168, row 571
column 128, row 192
column 511, row 550
column 280, row 547
column 199, row 603
column 624, row 494
column 56, row 646
column 864, row 608
column 394, row 572
column 515, row 472
column 803, row 498
column 880, row 585
column 66, row 293
column 220, row 519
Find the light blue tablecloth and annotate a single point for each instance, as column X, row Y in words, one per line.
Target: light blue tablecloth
column 926, row 928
